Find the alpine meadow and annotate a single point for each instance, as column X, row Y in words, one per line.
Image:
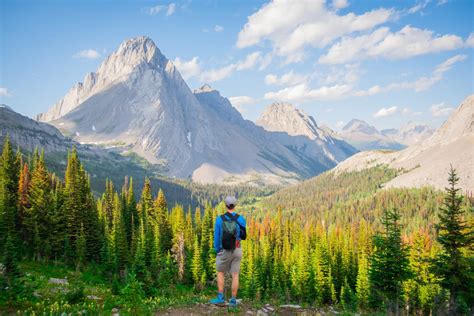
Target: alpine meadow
column 337, row 177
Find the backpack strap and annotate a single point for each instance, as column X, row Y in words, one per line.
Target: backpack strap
column 229, row 217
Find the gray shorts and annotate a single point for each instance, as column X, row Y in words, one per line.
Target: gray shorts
column 228, row 260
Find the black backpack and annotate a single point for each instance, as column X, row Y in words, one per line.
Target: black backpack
column 229, row 231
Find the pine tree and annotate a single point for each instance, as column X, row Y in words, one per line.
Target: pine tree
column 454, row 235
column 139, row 263
column 348, row 298
column 81, row 207
column 207, row 237
column 37, row 217
column 119, row 238
column 10, row 258
column 9, row 173
column 57, row 226
column 362, row 283
column 422, row 289
column 131, row 212
column 324, row 286
column 197, row 265
column 80, row 248
column 146, row 202
column 178, row 249
column 161, row 211
column 389, row 264
column 23, row 198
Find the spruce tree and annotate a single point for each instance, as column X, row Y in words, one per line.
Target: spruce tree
column 362, row 283
column 37, row 217
column 161, row 210
column 348, row 298
column 120, row 238
column 178, row 249
column 454, row 235
column 10, row 260
column 389, row 264
column 80, row 248
column 9, row 173
column 146, row 202
column 23, row 199
column 197, row 265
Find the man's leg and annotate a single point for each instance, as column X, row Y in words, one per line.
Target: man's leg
column 220, row 282
column 235, row 283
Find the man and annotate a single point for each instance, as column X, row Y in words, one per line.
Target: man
column 229, row 230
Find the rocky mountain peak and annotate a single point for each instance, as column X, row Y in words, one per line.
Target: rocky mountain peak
column 4, row 106
column 205, row 88
column 284, row 117
column 130, row 54
column 138, row 101
column 460, row 123
column 134, row 55
column 355, row 124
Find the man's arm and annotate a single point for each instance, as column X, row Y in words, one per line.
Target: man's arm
column 217, row 234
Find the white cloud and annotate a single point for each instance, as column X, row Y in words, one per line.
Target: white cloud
column 348, row 73
column 290, row 78
column 418, row 85
column 303, row 93
column 418, row 7
column 424, row 83
column 239, row 102
column 250, row 61
column 189, row 68
column 217, row 74
column 87, row 53
column 218, row 28
column 441, row 2
column 384, row 112
column 406, row 43
column 4, row 92
column 171, row 9
column 346, row 87
column 441, row 109
column 339, row 4
column 448, row 64
column 470, row 40
column 156, row 9
column 306, row 23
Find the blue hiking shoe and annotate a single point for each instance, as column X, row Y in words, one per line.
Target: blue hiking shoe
column 219, row 300
column 233, row 302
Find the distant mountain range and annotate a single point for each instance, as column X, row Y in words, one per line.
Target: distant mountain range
column 366, row 137
column 428, row 162
column 137, row 101
column 137, row 114
column 284, row 117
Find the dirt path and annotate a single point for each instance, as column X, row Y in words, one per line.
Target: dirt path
column 245, row 309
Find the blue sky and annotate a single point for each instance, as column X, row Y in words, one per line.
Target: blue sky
column 386, row 62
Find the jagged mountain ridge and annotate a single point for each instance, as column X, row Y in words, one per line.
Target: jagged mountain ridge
column 138, row 100
column 428, row 162
column 284, row 117
column 29, row 134
column 363, row 136
column 409, row 134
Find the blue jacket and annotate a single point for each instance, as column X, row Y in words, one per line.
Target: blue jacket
column 218, row 231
